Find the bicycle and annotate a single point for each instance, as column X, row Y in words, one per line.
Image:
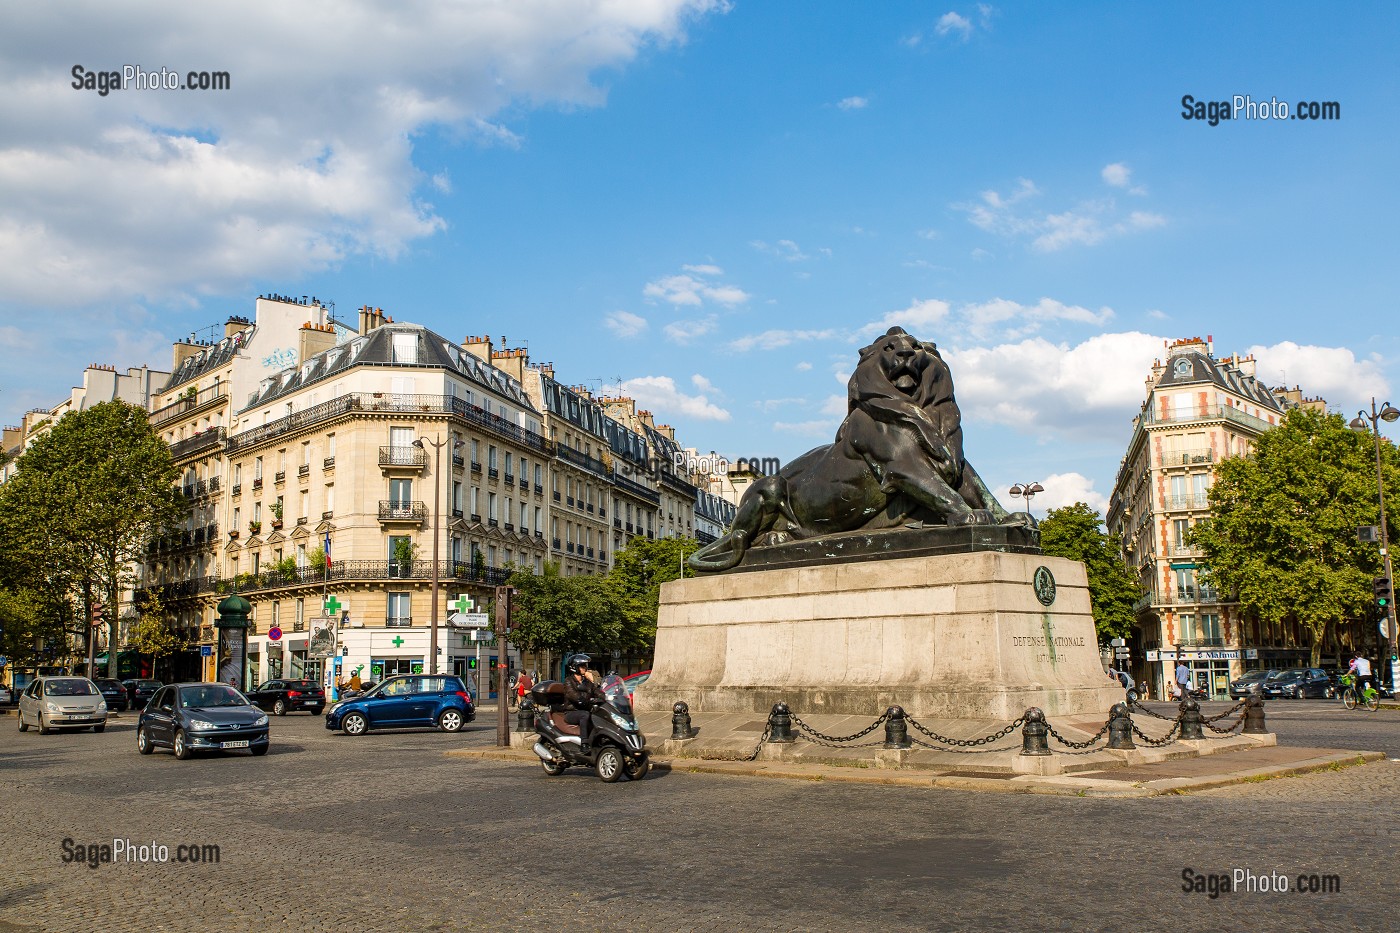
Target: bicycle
column 1371, row 697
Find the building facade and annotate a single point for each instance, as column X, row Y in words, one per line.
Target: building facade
column 1199, row 410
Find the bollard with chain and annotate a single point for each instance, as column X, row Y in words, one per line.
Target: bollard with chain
column 680, row 722
column 780, row 725
column 525, row 716
column 896, row 730
column 1254, row 714
column 1120, row 727
column 1035, row 734
column 1190, row 720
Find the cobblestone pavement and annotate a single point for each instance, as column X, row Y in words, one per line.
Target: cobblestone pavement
column 383, row 832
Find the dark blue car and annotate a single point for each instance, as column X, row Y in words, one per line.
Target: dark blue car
column 439, row 700
column 191, row 718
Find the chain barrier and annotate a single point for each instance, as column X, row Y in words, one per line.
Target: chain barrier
column 965, row 743
column 1227, row 731
column 767, row 731
column 1073, row 744
column 1139, row 708
column 834, row 741
column 1167, row 739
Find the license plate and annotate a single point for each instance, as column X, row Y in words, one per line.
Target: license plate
column 240, row 743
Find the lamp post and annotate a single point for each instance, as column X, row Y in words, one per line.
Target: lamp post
column 1389, row 414
column 1026, row 491
column 438, row 443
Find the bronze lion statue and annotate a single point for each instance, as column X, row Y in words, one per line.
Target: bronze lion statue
column 897, row 459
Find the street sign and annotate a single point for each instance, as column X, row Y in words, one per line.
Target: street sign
column 469, row 620
column 1122, row 653
column 1385, row 628
column 1118, row 642
column 206, row 651
column 1368, row 533
column 274, row 634
column 482, row 634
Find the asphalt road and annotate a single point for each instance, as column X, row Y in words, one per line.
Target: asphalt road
column 383, row 832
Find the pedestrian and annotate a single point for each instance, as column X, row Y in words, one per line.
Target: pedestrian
column 523, row 683
column 1183, row 679
column 1362, row 668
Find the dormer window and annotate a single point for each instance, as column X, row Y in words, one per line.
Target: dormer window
column 405, row 348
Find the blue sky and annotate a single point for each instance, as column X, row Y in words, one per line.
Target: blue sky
column 715, row 205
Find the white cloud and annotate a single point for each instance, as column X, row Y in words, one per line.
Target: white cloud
column 1061, row 489
column 704, row 385
column 704, row 269
column 985, row 319
column 686, row 331
column 625, row 323
column 772, row 404
column 803, row 366
column 853, row 103
column 690, row 291
column 835, row 406
column 952, row 22
column 659, row 394
column 783, row 249
column 919, row 316
column 1118, row 175
column 170, row 194
column 1090, row 389
column 773, row 339
column 1086, row 224
column 1334, row 373
column 816, row 428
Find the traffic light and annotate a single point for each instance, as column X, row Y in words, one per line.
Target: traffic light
column 471, row 663
column 1381, row 587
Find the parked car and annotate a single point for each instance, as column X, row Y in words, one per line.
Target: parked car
column 189, row 718
column 439, row 700
column 114, row 693
column 286, row 696
column 139, row 692
column 1241, row 688
column 50, row 703
column 633, row 681
column 1299, row 683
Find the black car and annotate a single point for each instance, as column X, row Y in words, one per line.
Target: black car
column 139, row 692
column 1300, row 683
column 189, row 718
column 286, row 696
column 1239, row 689
column 114, row 693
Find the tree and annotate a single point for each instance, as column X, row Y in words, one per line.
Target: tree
column 151, row 635
column 1076, row 532
column 27, row 627
column 86, row 498
column 1281, row 534
column 553, row 613
column 637, row 574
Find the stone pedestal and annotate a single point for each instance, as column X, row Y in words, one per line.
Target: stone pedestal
column 959, row 636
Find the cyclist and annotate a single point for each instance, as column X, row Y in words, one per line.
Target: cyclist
column 1362, row 669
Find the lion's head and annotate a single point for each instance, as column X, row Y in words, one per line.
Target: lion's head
column 898, row 366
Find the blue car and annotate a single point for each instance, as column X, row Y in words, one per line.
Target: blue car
column 440, row 700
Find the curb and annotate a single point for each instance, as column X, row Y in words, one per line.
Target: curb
column 1089, row 785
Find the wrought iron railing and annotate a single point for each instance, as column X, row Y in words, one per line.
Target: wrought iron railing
column 395, row 510
column 403, row 457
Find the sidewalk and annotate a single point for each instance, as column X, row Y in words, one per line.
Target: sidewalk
column 1170, row 776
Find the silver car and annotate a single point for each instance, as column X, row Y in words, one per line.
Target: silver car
column 62, row 703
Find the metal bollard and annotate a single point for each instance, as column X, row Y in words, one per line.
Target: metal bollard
column 1254, row 715
column 780, row 725
column 1120, row 727
column 1035, row 734
column 680, row 722
column 1190, row 719
column 525, row 716
column 896, row 729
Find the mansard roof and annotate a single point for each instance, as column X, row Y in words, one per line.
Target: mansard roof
column 1192, row 367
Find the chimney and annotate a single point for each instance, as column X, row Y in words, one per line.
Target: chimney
column 645, row 417
column 313, row 339
column 235, row 325
column 370, row 318
column 667, row 430
column 13, row 435
column 183, row 351
column 512, row 362
column 479, row 347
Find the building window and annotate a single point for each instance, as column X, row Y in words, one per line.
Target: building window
column 405, row 348
column 400, row 610
column 491, row 506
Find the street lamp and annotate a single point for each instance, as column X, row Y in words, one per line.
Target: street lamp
column 1389, row 414
column 438, row 443
column 1026, row 491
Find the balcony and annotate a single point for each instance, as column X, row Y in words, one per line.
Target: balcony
column 617, row 523
column 201, row 443
column 302, row 520
column 476, row 519
column 510, row 479
column 458, row 460
column 457, row 513
column 1208, row 413
column 476, row 468
column 539, row 490
column 257, row 483
column 556, row 544
column 304, row 470
column 492, row 522
column 508, row 526
column 524, row 483
column 636, row 489
column 1185, row 550
column 603, row 556
column 279, row 477
column 1179, row 458
column 187, row 405
column 1202, row 642
column 413, row 459
column 398, row 621
column 557, row 497
column 569, row 547
column 398, row 510
column 327, row 515
column 583, row 461
column 328, row 464
column 493, row 473
column 1189, row 502
column 1190, row 595
column 569, row 501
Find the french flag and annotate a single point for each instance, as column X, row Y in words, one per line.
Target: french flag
column 328, row 550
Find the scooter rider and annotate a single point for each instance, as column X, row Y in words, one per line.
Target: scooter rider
column 582, row 693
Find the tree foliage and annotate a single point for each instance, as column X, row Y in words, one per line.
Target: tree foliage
column 85, row 499
column 1076, row 531
column 1282, row 529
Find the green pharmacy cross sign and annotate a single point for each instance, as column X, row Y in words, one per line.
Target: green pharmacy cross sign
column 462, row 604
column 332, row 606
column 398, row 641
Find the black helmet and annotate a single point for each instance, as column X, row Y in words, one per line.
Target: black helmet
column 575, row 663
